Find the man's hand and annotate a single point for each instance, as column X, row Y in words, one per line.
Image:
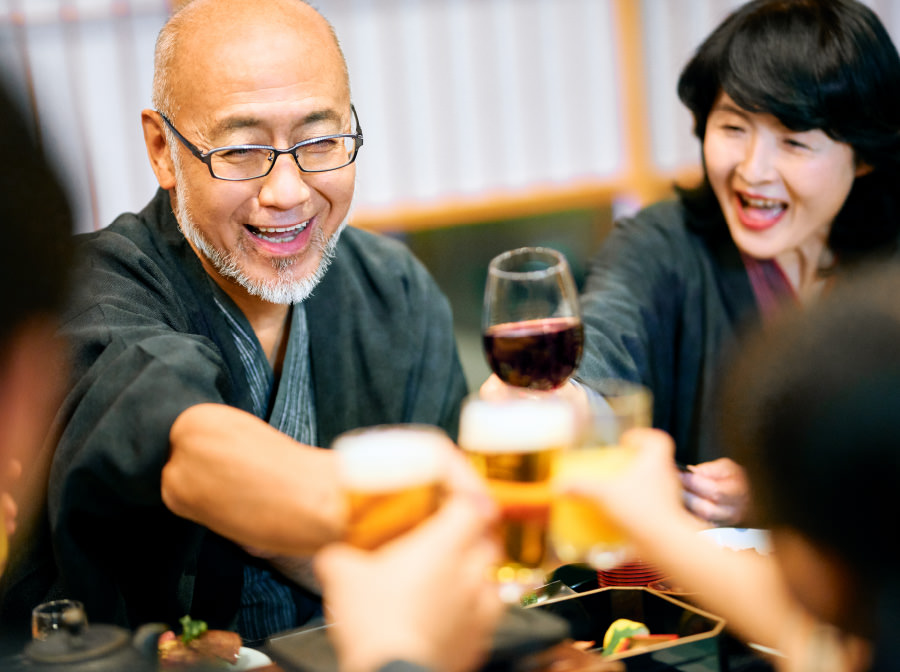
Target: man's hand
column 425, row 597
column 717, row 491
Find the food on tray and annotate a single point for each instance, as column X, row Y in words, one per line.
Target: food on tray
column 197, row 645
column 641, row 641
column 627, row 635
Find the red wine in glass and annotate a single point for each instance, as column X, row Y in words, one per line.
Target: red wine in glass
column 538, row 354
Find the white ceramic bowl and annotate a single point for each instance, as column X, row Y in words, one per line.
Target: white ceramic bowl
column 740, row 538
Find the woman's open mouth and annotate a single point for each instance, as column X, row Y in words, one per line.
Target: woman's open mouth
column 759, row 213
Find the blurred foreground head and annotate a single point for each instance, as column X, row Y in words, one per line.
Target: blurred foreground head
column 35, row 260
column 812, row 409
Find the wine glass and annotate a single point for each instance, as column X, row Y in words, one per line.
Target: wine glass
column 531, row 322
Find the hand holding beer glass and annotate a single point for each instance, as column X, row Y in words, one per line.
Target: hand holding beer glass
column 580, row 530
column 513, row 442
column 392, row 476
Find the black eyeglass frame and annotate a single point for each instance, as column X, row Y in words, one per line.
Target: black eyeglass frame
column 206, row 157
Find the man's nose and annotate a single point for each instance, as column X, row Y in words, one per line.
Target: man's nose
column 285, row 186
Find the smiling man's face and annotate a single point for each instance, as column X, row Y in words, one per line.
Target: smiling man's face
column 272, row 76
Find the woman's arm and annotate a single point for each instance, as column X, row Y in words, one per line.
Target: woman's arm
column 746, row 589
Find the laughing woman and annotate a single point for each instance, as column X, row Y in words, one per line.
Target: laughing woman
column 797, row 108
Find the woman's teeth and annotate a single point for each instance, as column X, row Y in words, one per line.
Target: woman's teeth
column 762, row 203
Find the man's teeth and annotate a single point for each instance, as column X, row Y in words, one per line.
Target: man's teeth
column 298, row 228
column 279, row 234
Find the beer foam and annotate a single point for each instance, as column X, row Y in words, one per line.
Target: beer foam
column 519, row 425
column 379, row 460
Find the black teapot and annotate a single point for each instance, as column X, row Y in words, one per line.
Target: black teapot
column 79, row 647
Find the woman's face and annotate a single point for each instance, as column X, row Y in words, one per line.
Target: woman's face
column 779, row 190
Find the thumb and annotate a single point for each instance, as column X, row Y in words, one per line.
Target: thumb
column 654, row 442
column 720, row 468
column 334, row 560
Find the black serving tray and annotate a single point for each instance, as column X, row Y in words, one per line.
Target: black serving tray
column 700, row 642
column 521, row 633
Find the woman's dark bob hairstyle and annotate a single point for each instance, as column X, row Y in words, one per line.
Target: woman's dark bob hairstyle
column 813, row 64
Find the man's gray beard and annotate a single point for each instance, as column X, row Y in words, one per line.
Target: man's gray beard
column 284, row 289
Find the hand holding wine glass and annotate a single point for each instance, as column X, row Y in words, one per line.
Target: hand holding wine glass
column 532, row 330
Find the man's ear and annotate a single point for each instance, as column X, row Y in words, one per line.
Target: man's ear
column 158, row 149
column 862, row 168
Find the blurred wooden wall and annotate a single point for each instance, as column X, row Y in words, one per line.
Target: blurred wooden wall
column 473, row 110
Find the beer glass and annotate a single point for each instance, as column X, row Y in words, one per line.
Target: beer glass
column 580, row 530
column 512, row 442
column 391, row 476
column 531, row 322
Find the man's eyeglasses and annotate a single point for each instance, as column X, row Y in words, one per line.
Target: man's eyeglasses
column 247, row 162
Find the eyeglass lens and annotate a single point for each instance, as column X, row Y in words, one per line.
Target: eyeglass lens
column 237, row 163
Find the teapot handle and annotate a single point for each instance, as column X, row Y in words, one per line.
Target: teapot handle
column 146, row 639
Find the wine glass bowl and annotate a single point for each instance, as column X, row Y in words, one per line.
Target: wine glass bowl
column 531, row 322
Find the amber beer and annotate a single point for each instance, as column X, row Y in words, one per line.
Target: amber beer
column 580, row 530
column 391, row 476
column 513, row 443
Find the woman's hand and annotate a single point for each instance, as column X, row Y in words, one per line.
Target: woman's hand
column 646, row 496
column 717, row 491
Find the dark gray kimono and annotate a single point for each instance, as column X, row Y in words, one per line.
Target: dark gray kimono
column 663, row 305
column 148, row 342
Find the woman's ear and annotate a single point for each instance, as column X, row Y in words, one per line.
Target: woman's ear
column 863, row 168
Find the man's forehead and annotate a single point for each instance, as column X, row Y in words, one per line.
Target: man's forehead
column 223, row 37
column 260, row 70
column 238, row 121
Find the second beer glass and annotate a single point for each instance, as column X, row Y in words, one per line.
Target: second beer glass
column 580, row 530
column 513, row 443
column 391, row 476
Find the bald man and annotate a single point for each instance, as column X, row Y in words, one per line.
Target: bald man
column 228, row 329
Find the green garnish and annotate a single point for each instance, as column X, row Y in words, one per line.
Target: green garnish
column 191, row 629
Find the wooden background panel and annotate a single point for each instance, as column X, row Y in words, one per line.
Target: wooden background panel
column 473, row 110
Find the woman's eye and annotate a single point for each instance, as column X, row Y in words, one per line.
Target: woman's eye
column 796, row 144
column 731, row 128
